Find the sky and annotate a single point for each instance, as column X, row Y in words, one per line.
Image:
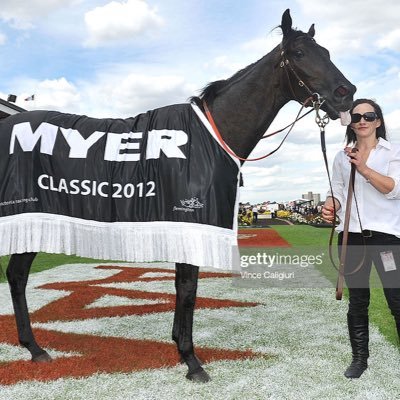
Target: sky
column 119, row 58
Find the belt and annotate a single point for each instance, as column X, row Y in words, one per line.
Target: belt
column 367, row 233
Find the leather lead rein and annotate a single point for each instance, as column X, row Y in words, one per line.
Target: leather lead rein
column 350, row 195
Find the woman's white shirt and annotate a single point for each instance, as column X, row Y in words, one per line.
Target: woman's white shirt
column 377, row 211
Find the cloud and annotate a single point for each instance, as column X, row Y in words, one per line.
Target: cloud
column 282, row 184
column 258, row 172
column 50, row 94
column 392, row 122
column 21, row 14
column 112, row 93
column 3, row 38
column 391, row 40
column 118, row 21
column 224, row 66
column 134, row 93
column 347, row 26
column 261, row 45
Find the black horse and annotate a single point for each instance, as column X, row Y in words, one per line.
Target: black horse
column 243, row 107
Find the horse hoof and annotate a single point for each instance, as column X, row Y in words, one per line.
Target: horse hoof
column 198, row 376
column 42, row 358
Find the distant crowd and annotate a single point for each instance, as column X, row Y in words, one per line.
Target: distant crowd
column 249, row 213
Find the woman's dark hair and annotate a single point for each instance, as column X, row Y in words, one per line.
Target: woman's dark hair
column 380, row 131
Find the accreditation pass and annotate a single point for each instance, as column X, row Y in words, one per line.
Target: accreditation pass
column 388, row 261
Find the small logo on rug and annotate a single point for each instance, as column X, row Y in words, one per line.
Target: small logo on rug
column 192, row 203
column 189, row 205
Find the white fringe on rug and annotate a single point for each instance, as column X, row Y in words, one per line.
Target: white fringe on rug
column 197, row 244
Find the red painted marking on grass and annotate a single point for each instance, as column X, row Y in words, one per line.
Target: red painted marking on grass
column 261, row 238
column 102, row 355
column 84, row 293
column 106, row 354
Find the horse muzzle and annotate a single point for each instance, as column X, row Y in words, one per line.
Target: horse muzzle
column 341, row 100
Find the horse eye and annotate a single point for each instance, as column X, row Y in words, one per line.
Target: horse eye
column 298, row 53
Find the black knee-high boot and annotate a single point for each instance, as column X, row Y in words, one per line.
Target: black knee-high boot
column 359, row 338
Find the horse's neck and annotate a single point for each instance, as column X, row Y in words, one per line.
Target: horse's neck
column 245, row 110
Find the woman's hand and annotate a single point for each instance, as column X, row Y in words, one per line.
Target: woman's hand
column 382, row 183
column 358, row 159
column 327, row 213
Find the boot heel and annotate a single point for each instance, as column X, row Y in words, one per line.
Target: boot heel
column 356, row 369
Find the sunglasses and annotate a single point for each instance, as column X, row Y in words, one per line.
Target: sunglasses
column 368, row 116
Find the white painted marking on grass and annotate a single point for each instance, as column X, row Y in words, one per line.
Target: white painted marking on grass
column 115, row 301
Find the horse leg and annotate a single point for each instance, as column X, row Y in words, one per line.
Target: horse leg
column 17, row 275
column 178, row 315
column 178, row 320
column 186, row 286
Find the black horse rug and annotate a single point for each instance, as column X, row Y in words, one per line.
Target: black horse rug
column 157, row 186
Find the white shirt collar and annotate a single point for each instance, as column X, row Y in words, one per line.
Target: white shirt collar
column 384, row 143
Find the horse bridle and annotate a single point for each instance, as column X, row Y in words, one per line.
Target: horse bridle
column 322, row 122
column 286, row 63
column 313, row 97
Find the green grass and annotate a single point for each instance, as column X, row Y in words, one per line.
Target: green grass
column 305, row 240
column 299, row 235
column 44, row 261
column 309, row 239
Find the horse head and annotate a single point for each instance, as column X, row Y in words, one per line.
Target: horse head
column 308, row 69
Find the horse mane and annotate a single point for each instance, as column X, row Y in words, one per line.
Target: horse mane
column 212, row 89
column 209, row 92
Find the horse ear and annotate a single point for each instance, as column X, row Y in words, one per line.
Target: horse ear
column 286, row 24
column 311, row 31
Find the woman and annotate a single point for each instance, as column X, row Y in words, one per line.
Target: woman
column 374, row 229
